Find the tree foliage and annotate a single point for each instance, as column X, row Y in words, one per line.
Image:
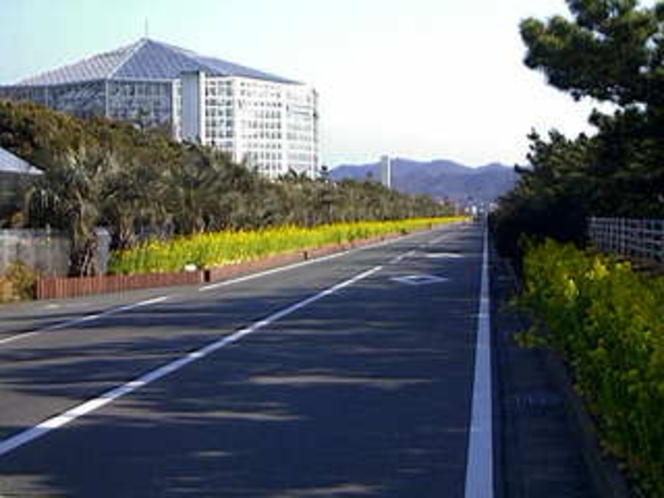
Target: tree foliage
column 140, row 184
column 69, row 196
column 550, row 197
column 611, row 51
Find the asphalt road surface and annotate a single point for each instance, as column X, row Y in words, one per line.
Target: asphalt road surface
column 350, row 376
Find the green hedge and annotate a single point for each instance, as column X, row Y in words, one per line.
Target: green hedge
column 609, row 323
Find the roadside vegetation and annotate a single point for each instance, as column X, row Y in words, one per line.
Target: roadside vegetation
column 142, row 186
column 606, row 320
column 610, row 51
column 208, row 250
column 609, row 323
column 17, row 283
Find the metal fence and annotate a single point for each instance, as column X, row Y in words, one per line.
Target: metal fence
column 639, row 239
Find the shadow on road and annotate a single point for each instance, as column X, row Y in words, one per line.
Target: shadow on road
column 365, row 393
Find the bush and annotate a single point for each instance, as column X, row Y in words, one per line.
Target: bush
column 609, row 323
column 6, row 290
column 217, row 249
column 21, row 280
column 546, row 217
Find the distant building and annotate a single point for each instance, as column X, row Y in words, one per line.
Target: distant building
column 386, row 171
column 270, row 121
column 15, row 176
column 12, row 164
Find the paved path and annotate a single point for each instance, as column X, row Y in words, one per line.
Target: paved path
column 351, row 376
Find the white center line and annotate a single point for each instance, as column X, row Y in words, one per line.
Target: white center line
column 28, row 435
column 479, row 468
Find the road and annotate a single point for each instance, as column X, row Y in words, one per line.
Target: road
column 350, row 376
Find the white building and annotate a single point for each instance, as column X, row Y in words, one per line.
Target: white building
column 269, row 121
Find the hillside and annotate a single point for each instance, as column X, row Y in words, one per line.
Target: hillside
column 439, row 178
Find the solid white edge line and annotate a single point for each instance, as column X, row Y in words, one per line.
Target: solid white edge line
column 479, row 468
column 271, row 271
column 103, row 314
column 225, row 283
column 17, row 337
column 28, row 435
column 303, row 263
column 86, row 318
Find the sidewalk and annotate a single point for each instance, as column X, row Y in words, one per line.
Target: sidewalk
column 540, row 454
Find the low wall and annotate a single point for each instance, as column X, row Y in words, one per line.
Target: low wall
column 46, row 251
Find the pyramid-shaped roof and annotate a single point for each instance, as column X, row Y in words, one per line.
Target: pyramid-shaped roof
column 9, row 163
column 144, row 60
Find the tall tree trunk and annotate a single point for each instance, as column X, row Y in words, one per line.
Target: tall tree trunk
column 123, row 236
column 83, row 259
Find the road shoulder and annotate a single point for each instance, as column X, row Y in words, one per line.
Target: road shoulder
column 540, row 452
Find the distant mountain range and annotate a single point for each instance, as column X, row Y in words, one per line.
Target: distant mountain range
column 439, row 179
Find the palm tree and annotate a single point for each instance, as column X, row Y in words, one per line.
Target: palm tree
column 68, row 197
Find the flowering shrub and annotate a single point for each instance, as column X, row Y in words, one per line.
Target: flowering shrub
column 208, row 250
column 18, row 282
column 609, row 323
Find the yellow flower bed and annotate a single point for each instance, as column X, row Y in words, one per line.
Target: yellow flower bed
column 208, row 250
column 609, row 323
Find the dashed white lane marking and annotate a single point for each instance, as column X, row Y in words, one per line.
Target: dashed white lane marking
column 401, row 257
column 86, row 318
column 443, row 255
column 58, row 421
column 479, row 468
column 437, row 240
column 303, row 263
column 129, row 307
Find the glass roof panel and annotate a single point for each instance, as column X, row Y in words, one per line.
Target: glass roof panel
column 97, row 67
column 144, row 60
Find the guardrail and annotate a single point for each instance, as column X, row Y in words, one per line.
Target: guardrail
column 637, row 239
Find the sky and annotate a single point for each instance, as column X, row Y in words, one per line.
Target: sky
column 422, row 79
